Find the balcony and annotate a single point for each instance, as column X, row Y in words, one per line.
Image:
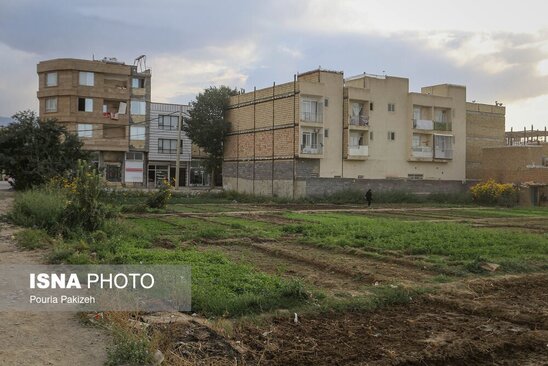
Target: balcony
column 423, row 152
column 442, row 126
column 311, row 149
column 358, row 150
column 361, row 121
column 423, row 124
column 313, row 117
column 443, row 154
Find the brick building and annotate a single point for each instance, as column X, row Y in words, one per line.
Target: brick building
column 105, row 103
column 322, row 133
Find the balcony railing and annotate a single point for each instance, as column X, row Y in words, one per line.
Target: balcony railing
column 311, row 149
column 312, row 117
column 423, row 124
column 358, row 150
column 442, row 126
column 421, row 152
column 443, row 154
column 359, row 121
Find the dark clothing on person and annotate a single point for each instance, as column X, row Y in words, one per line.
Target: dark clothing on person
column 369, row 197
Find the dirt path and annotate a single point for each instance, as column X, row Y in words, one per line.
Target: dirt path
column 52, row 338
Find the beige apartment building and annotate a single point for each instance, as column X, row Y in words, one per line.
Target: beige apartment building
column 106, row 103
column 322, row 133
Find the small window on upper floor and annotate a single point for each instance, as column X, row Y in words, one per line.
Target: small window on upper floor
column 87, row 78
column 391, row 107
column 138, row 107
column 137, row 133
column 326, row 132
column 371, row 135
column 391, row 136
column 85, row 130
column 51, row 79
column 137, row 83
column 370, row 106
column 51, row 105
column 85, row 105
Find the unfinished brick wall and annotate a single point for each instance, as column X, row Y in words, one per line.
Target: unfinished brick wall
column 484, row 128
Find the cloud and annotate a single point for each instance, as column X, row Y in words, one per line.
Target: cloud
column 499, row 49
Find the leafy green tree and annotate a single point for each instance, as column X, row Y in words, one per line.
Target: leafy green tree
column 207, row 126
column 33, row 151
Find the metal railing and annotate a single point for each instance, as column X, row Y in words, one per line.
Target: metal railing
column 359, row 150
column 421, row 152
column 442, row 126
column 312, row 117
column 423, row 124
column 359, row 121
column 443, row 154
column 311, row 149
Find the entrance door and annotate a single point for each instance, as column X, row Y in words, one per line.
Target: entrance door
column 182, row 176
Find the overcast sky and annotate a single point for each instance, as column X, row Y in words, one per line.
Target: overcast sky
column 498, row 49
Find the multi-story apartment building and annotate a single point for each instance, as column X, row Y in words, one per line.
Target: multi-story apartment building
column 322, row 133
column 162, row 144
column 105, row 103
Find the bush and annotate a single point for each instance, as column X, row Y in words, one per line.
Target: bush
column 160, row 198
column 493, row 193
column 43, row 209
column 85, row 210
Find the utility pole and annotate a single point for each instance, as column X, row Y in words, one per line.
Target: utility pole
column 178, row 159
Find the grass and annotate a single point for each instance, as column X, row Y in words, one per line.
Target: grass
column 30, row 239
column 220, row 287
column 456, row 242
column 39, row 209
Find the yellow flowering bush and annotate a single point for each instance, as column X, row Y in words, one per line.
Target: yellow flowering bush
column 493, row 193
column 160, row 198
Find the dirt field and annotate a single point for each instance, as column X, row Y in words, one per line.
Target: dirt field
column 493, row 319
column 37, row 339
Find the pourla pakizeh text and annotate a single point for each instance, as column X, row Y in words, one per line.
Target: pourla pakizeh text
column 33, row 299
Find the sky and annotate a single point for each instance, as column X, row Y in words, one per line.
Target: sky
column 498, row 49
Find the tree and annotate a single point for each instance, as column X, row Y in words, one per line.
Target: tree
column 207, row 126
column 33, row 151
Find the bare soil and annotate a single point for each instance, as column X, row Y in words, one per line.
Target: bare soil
column 423, row 332
column 45, row 338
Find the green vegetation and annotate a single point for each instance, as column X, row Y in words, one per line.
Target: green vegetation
column 459, row 243
column 39, row 209
column 129, row 348
column 33, row 239
column 34, row 151
column 493, row 193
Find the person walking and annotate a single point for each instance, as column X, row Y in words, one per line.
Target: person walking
column 369, row 197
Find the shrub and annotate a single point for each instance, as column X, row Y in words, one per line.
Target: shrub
column 43, row 209
column 493, row 193
column 160, row 198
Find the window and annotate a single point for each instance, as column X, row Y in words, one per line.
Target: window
column 311, row 110
column 310, row 139
column 326, row 132
column 87, row 78
column 326, row 102
column 443, row 147
column 85, row 130
column 371, row 135
column 415, row 176
column 114, row 172
column 51, row 105
column 51, row 79
column 137, row 83
column 371, row 106
column 168, row 146
column 391, row 107
column 391, row 135
column 134, row 156
column 138, row 107
column 85, row 104
column 168, row 122
column 137, row 133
